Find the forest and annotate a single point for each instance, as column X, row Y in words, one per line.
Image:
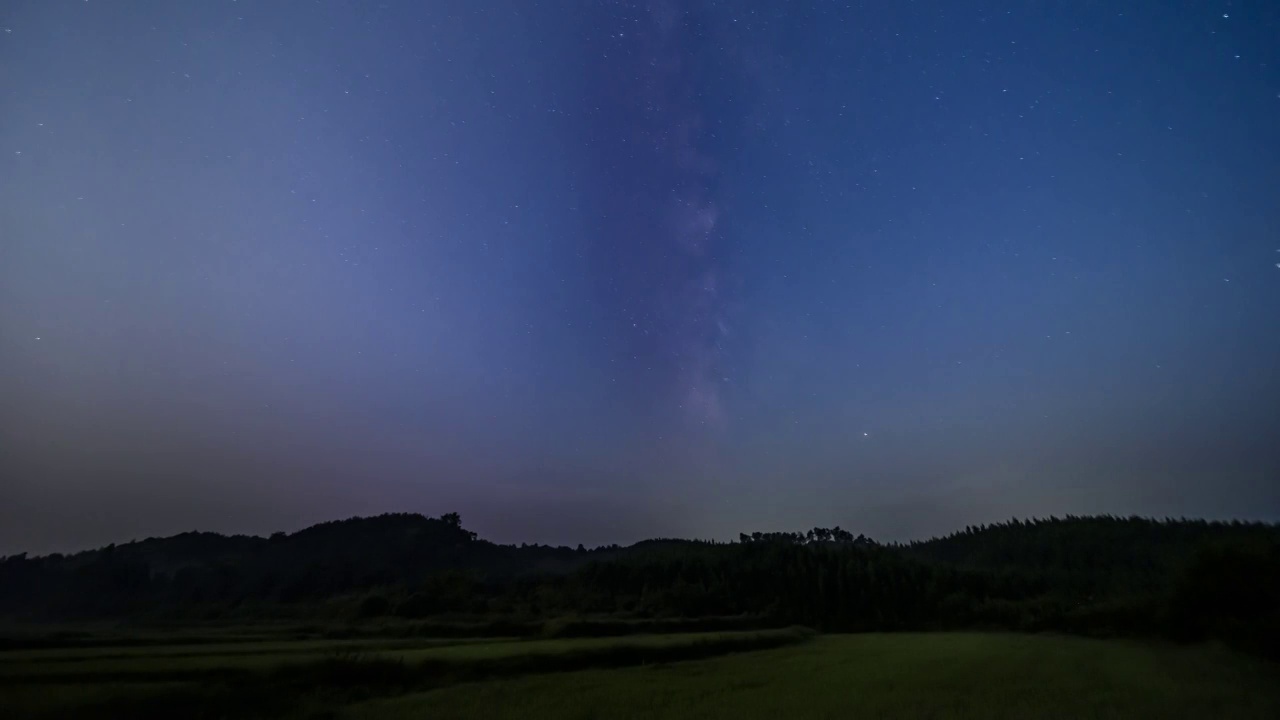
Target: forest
column 1185, row 580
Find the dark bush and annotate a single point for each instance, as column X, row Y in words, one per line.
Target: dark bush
column 374, row 606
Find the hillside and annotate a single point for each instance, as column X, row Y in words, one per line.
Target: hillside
column 1099, row 575
column 1089, row 555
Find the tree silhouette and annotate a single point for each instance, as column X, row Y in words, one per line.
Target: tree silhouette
column 1187, row 579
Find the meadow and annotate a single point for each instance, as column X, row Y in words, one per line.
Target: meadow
column 196, row 662
column 741, row 675
column 405, row 616
column 943, row 676
column 305, row 678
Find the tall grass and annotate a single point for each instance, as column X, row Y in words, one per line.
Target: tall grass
column 886, row 677
column 270, row 686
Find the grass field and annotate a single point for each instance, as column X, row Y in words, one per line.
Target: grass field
column 238, row 648
column 258, row 679
column 907, row 676
column 181, row 662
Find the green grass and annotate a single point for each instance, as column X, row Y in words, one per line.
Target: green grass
column 295, row 647
column 294, row 679
column 231, row 651
column 908, row 677
column 66, row 700
column 181, row 662
column 942, row 676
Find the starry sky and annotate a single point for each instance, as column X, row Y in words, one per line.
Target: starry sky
column 589, row 271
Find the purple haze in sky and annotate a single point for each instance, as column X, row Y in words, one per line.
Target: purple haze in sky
column 599, row 271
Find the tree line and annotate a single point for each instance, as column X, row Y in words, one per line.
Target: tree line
column 1184, row 579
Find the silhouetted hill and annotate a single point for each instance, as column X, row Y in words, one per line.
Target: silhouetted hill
column 1097, row 554
column 1184, row 578
column 206, row 569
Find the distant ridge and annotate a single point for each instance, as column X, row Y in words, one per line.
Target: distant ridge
column 1099, row 575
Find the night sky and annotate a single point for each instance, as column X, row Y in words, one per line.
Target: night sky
column 599, row 271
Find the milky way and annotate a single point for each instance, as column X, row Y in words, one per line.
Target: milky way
column 659, row 234
column 596, row 270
